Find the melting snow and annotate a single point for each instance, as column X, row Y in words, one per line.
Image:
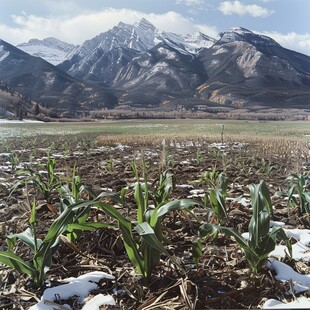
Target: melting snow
column 299, row 303
column 99, row 300
column 80, row 286
column 285, row 273
column 167, row 53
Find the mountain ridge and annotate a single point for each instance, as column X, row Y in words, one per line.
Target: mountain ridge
column 139, row 66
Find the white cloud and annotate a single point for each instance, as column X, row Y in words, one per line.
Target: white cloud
column 190, row 2
column 292, row 40
column 236, row 7
column 81, row 27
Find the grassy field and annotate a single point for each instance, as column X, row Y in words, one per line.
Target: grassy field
column 212, row 128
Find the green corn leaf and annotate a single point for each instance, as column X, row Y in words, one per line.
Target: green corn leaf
column 116, row 198
column 88, row 226
column 212, row 229
column 218, row 205
column 174, row 205
column 139, row 198
column 12, row 260
column 132, row 248
column 28, row 238
column 148, row 234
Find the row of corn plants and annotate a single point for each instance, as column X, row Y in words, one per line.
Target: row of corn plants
column 142, row 231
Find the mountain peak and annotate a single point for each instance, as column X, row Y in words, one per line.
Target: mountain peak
column 236, row 34
column 239, row 30
column 146, row 25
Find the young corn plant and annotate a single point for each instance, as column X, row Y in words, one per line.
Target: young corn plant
column 298, row 187
column 214, row 178
column 42, row 250
column 71, row 194
column 143, row 237
column 261, row 240
column 46, row 182
column 266, row 167
column 216, row 199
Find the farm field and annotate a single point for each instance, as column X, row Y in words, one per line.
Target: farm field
column 143, row 208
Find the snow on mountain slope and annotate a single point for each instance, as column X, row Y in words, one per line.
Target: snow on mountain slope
column 50, row 49
column 191, row 42
column 100, row 58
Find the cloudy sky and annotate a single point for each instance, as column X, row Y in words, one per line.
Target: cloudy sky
column 287, row 21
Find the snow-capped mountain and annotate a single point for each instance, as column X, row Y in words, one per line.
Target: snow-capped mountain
column 238, row 34
column 89, row 60
column 50, row 49
column 191, row 42
column 140, row 66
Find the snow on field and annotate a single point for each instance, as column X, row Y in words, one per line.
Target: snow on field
column 284, row 273
column 7, row 121
column 299, row 303
column 80, row 287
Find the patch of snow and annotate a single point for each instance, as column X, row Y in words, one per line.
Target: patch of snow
column 5, row 55
column 303, row 235
column 80, row 286
column 184, row 186
column 299, row 251
column 6, row 121
column 196, row 191
column 275, row 223
column 286, row 273
column 185, row 162
column 167, row 53
column 299, row 303
column 221, row 50
column 98, row 301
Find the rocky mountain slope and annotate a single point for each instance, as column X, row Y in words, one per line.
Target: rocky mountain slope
column 246, row 69
column 36, row 78
column 139, row 66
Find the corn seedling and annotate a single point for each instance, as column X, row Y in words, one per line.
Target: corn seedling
column 266, row 167
column 298, row 186
column 197, row 251
column 46, row 185
column 71, row 194
column 261, row 239
column 199, row 157
column 143, row 238
column 211, row 178
column 110, row 165
column 13, row 160
column 42, row 250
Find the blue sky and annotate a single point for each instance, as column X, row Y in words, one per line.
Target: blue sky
column 287, row 21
